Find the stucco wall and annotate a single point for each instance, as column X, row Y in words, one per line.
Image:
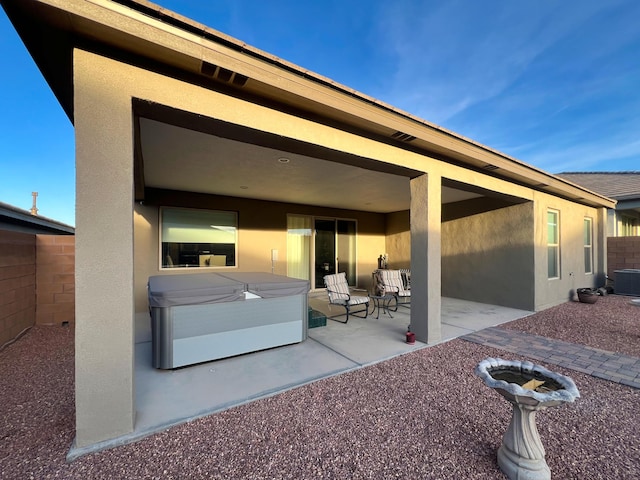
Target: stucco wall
column 489, row 257
column 500, row 256
column 551, row 292
column 17, row 283
column 104, row 347
column 398, row 239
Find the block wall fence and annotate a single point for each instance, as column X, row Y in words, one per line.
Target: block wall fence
column 622, row 252
column 55, row 279
column 17, row 283
column 36, row 281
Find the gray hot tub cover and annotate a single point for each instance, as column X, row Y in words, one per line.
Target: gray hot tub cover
column 193, row 289
column 268, row 285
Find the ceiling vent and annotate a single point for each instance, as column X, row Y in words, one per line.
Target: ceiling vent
column 403, row 137
column 223, row 75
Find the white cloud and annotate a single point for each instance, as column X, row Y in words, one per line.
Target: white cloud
column 551, row 83
column 591, row 154
column 453, row 55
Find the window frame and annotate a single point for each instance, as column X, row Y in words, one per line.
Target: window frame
column 553, row 245
column 161, row 263
column 588, row 247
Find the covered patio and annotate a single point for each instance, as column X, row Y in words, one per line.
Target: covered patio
column 169, row 397
column 170, row 114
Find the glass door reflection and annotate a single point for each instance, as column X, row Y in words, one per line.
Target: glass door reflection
column 335, row 249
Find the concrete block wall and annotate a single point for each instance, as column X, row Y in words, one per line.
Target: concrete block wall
column 622, row 252
column 55, row 282
column 17, row 283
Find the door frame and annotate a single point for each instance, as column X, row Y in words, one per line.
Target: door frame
column 312, row 256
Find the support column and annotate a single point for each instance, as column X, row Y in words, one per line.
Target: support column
column 426, row 205
column 104, row 354
column 601, row 267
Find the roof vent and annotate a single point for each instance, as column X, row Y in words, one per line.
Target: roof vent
column 208, row 69
column 34, row 209
column 488, row 166
column 403, row 137
column 239, row 80
column 222, row 74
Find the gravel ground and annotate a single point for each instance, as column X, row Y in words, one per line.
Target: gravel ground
column 609, row 324
column 422, row 415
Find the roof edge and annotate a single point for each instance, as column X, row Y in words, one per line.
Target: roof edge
column 464, row 149
column 15, row 213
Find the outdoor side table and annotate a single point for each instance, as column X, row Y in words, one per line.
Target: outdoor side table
column 382, row 302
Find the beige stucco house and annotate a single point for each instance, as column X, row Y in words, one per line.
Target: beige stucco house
column 181, row 127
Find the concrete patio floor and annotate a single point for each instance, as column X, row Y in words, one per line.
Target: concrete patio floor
column 169, row 397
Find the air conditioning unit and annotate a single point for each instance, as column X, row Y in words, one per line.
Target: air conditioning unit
column 627, row 281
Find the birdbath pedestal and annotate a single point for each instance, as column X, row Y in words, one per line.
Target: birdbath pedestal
column 528, row 388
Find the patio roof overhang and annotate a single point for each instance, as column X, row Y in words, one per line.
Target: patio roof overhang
column 146, row 35
column 629, row 204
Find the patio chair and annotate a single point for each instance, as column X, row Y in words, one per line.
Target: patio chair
column 392, row 282
column 338, row 292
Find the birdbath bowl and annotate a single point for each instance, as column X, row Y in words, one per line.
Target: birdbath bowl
column 528, row 388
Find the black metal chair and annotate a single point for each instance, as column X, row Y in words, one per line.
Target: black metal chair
column 339, row 294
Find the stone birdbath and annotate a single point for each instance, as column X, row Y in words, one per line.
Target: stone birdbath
column 528, row 388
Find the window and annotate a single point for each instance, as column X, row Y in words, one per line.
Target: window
column 588, row 246
column 553, row 244
column 198, row 238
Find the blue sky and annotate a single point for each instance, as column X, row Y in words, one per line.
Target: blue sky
column 555, row 84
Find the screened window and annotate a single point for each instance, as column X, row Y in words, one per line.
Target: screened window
column 553, row 244
column 588, row 246
column 198, row 238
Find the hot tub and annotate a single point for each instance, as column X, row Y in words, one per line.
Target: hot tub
column 207, row 316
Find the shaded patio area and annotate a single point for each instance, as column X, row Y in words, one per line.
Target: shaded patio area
column 170, row 397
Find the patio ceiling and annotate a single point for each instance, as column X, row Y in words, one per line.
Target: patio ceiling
column 178, row 158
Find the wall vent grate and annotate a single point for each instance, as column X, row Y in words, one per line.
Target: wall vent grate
column 208, row 69
column 403, row 137
column 223, row 75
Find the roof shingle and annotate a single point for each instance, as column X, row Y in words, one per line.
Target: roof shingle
column 616, row 185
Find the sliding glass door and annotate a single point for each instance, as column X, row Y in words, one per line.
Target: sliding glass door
column 325, row 250
column 346, row 242
column 320, row 246
column 335, row 249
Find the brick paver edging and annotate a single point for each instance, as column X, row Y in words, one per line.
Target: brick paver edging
column 622, row 369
